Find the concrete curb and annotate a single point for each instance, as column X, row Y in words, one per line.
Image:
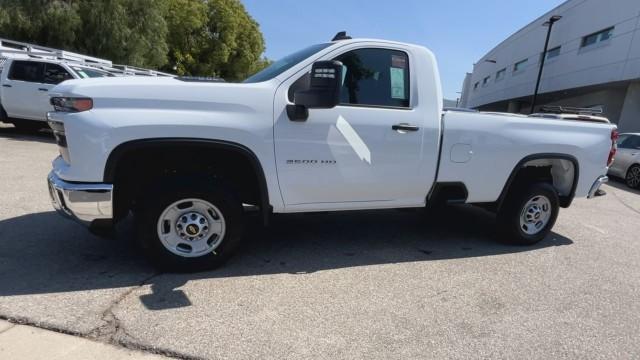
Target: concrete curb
column 31, row 343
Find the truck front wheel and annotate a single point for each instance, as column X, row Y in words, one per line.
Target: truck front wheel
column 528, row 214
column 185, row 225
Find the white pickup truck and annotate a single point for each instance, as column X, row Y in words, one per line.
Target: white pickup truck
column 349, row 124
column 24, row 97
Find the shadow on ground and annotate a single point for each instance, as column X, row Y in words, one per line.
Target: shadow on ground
column 42, row 253
column 14, row 134
column 619, row 184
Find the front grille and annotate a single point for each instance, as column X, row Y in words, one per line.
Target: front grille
column 61, row 139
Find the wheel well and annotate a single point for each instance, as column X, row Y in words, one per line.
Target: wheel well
column 134, row 167
column 561, row 171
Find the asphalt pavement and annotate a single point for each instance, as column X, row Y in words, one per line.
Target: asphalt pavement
column 377, row 284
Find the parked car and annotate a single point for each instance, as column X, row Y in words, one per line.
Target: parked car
column 24, row 98
column 627, row 160
column 349, row 124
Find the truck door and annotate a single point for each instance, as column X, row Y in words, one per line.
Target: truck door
column 54, row 74
column 367, row 151
column 25, row 89
column 20, row 90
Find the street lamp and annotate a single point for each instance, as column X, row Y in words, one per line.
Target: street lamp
column 549, row 24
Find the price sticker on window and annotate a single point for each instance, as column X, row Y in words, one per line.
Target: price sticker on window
column 397, row 83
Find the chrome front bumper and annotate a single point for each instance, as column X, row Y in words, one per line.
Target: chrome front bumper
column 596, row 185
column 83, row 202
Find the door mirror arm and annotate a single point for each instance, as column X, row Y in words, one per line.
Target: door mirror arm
column 297, row 113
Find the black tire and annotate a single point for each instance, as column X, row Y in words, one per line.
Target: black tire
column 508, row 219
column 631, row 178
column 169, row 191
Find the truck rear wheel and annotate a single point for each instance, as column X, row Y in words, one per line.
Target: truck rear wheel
column 528, row 214
column 186, row 225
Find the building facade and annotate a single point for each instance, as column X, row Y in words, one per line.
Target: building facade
column 593, row 61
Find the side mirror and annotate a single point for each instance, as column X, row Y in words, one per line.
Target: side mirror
column 323, row 91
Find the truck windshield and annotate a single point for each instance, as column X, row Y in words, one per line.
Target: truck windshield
column 86, row 72
column 285, row 63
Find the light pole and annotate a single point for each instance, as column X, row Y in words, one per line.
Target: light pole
column 549, row 23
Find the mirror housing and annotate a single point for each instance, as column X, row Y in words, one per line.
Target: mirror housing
column 324, row 87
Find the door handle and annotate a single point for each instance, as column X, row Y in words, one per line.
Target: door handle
column 43, row 89
column 405, row 127
column 6, row 85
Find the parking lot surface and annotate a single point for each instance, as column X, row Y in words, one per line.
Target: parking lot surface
column 381, row 285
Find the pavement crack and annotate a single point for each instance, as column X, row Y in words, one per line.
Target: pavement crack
column 112, row 331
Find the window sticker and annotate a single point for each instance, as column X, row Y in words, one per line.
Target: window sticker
column 397, row 83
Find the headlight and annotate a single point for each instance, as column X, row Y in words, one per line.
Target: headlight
column 71, row 104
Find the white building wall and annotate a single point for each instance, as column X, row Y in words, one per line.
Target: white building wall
column 617, row 59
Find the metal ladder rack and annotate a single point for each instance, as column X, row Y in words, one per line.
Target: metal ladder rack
column 21, row 50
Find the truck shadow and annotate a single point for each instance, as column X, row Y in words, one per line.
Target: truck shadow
column 42, row 253
column 13, row 134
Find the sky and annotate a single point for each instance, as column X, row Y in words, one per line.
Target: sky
column 459, row 32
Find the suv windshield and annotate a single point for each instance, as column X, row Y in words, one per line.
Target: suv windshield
column 86, row 72
column 285, row 63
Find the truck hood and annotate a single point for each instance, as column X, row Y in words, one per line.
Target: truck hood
column 165, row 93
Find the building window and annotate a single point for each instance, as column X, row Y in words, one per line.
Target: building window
column 475, row 86
column 485, row 81
column 520, row 65
column 598, row 37
column 500, row 74
column 555, row 52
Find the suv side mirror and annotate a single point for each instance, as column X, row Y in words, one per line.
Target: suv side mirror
column 323, row 92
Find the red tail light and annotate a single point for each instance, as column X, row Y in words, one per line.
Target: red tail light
column 614, row 146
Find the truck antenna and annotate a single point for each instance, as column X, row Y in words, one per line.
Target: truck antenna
column 342, row 35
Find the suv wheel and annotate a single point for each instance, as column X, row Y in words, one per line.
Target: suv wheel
column 189, row 226
column 633, row 176
column 528, row 214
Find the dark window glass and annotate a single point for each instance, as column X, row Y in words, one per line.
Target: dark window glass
column 378, row 77
column 55, row 74
column 630, row 142
column 26, row 71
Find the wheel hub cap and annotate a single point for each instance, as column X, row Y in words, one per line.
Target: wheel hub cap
column 191, row 227
column 535, row 215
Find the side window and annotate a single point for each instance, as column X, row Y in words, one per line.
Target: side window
column 30, row 71
column 55, row 74
column 622, row 141
column 376, row 77
column 633, row 143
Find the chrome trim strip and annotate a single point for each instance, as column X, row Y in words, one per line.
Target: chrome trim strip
column 596, row 185
column 83, row 202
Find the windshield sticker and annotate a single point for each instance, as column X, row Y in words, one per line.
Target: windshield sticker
column 398, row 61
column 397, row 83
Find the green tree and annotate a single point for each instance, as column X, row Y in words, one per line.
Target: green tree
column 33, row 21
column 132, row 32
column 192, row 37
